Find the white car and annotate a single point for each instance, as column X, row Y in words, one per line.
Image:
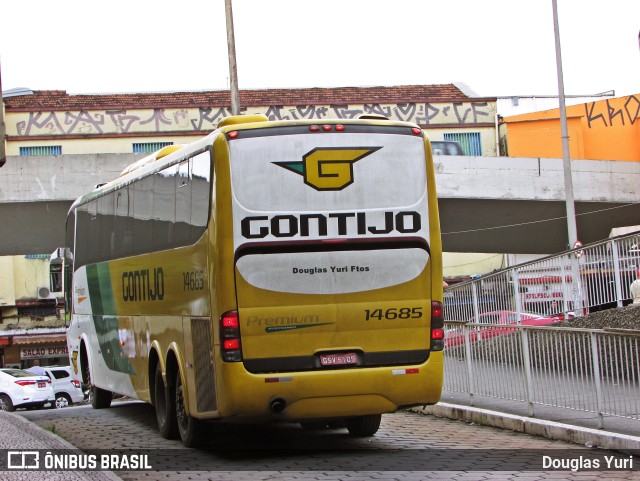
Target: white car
column 66, row 388
column 23, row 389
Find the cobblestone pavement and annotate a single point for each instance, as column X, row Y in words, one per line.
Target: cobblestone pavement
column 409, row 446
column 17, row 433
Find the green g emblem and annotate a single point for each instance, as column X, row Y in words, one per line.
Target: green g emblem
column 328, row 168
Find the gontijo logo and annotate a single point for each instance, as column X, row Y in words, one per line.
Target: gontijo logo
column 325, row 168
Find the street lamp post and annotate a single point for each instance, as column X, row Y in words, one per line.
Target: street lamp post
column 3, row 152
column 568, row 181
column 233, row 70
column 572, row 229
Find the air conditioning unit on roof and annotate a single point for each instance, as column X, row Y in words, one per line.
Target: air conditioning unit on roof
column 45, row 293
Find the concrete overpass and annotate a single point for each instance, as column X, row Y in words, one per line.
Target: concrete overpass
column 487, row 204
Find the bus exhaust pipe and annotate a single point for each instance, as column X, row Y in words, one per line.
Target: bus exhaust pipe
column 277, row 405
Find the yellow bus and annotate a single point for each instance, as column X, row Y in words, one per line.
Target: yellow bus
column 271, row 271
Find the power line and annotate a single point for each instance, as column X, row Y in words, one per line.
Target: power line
column 537, row 221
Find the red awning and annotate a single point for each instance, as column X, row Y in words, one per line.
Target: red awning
column 4, row 341
column 39, row 339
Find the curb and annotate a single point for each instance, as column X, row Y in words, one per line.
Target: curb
column 43, row 439
column 536, row 427
column 28, row 428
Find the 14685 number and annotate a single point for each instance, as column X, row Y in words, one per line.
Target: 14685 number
column 193, row 281
column 393, row 313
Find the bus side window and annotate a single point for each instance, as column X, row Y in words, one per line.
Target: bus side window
column 123, row 233
column 142, row 215
column 200, row 191
column 183, row 204
column 164, row 208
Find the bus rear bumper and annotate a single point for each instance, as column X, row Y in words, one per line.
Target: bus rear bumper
column 329, row 394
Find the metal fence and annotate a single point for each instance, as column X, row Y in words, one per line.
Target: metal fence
column 593, row 277
column 495, row 345
column 579, row 369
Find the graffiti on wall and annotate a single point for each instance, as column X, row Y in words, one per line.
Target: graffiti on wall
column 625, row 111
column 205, row 119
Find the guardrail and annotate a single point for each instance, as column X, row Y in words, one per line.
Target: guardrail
column 589, row 278
column 501, row 341
column 579, row 369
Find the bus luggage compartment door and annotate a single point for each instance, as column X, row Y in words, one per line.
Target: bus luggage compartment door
column 334, row 308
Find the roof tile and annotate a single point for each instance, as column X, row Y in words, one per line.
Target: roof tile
column 61, row 100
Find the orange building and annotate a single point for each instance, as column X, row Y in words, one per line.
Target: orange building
column 603, row 130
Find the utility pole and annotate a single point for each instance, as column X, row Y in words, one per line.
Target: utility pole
column 564, row 132
column 233, row 70
column 572, row 229
column 3, row 129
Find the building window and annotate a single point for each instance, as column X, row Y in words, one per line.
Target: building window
column 149, row 147
column 470, row 142
column 42, row 150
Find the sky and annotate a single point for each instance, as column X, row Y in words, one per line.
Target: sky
column 496, row 47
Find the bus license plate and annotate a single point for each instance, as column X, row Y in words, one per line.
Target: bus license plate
column 340, row 359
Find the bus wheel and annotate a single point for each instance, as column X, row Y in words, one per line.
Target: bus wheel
column 100, row 398
column 165, row 407
column 188, row 426
column 364, row 426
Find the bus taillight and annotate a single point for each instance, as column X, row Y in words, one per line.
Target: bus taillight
column 230, row 337
column 437, row 326
column 437, row 334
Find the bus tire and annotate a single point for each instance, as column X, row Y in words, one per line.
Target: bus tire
column 363, row 426
column 100, row 398
column 165, row 407
column 188, row 426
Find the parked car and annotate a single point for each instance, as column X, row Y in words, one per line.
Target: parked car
column 23, row 389
column 446, row 147
column 512, row 317
column 501, row 319
column 67, row 389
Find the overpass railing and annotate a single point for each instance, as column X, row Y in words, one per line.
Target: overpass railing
column 575, row 282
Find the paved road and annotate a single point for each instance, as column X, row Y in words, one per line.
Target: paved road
column 409, row 446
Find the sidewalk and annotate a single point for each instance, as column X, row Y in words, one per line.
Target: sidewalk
column 554, row 423
column 573, row 417
column 17, row 433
